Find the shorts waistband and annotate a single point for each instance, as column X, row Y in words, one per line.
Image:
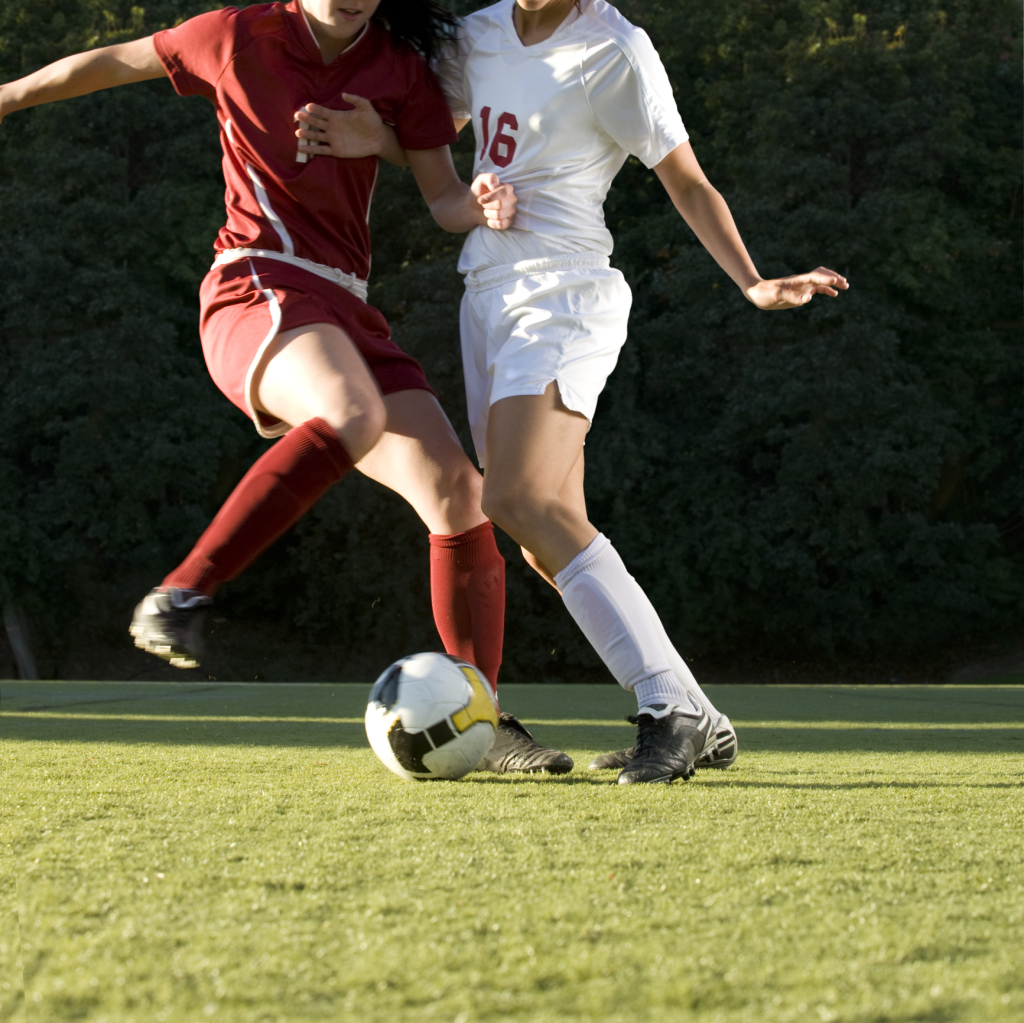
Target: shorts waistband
column 478, row 280
column 349, row 282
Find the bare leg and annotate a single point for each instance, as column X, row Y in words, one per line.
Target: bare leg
column 533, row 445
column 419, row 456
column 533, row 490
column 571, row 495
column 316, row 372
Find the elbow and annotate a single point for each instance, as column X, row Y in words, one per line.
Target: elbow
column 440, row 218
column 449, row 221
column 689, row 192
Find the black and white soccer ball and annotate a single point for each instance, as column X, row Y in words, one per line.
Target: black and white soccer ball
column 431, row 716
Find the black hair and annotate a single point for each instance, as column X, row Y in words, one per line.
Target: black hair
column 423, row 25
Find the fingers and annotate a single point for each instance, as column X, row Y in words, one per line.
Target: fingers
column 798, row 291
column 837, row 279
column 503, row 193
column 307, row 117
column 501, row 198
column 498, row 201
column 500, row 211
column 500, row 215
column 789, row 296
column 497, row 223
column 793, row 292
column 358, row 102
column 485, row 184
column 823, row 276
column 317, row 110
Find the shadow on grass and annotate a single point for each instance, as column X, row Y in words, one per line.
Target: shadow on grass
column 286, row 732
column 145, row 698
column 739, row 783
column 280, row 732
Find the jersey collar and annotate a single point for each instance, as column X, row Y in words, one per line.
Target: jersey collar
column 574, row 15
column 309, row 39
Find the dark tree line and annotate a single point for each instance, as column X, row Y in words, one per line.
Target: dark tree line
column 843, row 481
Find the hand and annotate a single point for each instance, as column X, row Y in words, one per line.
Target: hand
column 348, row 134
column 793, row 292
column 498, row 201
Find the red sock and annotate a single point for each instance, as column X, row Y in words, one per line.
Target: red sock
column 467, row 591
column 273, row 495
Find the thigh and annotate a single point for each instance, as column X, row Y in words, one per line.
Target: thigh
column 315, row 371
column 534, row 443
column 420, row 457
column 572, row 495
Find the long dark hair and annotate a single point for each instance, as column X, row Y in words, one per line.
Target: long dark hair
column 423, row 25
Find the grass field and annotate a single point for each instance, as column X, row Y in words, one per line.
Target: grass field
column 235, row 852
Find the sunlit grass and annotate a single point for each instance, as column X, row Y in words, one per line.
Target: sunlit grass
column 236, row 852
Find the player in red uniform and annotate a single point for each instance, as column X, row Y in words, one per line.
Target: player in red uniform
column 286, row 331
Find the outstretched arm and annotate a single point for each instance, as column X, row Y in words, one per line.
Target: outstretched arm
column 82, row 73
column 701, row 206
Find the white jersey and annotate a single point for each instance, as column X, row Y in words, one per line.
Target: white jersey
column 556, row 120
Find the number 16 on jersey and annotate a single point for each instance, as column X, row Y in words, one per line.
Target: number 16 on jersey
column 503, row 145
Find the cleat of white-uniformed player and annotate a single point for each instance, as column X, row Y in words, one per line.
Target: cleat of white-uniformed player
column 723, row 748
column 169, row 624
column 719, row 753
column 669, row 741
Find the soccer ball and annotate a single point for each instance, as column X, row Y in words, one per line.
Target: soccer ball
column 431, row 716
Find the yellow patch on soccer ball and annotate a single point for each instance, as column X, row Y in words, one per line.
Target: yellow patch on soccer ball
column 481, row 704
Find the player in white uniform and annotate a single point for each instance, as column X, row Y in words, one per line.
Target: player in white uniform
column 560, row 92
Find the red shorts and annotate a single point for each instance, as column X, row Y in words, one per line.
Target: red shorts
column 240, row 317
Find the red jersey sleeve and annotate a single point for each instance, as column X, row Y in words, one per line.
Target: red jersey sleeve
column 424, row 121
column 195, row 53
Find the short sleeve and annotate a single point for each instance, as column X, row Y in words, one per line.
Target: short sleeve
column 195, row 53
column 631, row 97
column 424, row 121
column 450, row 67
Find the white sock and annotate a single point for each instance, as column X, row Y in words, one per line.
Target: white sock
column 662, row 691
column 611, row 609
column 679, row 667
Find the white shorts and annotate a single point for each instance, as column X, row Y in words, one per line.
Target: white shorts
column 562, row 318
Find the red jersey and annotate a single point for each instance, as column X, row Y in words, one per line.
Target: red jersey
column 258, row 66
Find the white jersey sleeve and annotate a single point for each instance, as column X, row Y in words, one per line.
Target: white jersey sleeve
column 450, row 68
column 631, row 97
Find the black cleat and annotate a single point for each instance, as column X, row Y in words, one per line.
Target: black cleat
column 613, row 761
column 720, row 752
column 169, row 623
column 515, row 750
column 722, row 748
column 668, row 744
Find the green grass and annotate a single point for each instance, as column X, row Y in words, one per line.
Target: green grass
column 236, row 852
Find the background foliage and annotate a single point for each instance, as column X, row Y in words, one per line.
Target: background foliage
column 840, row 482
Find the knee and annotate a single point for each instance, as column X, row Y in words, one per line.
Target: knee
column 464, row 488
column 359, row 423
column 516, row 510
column 454, row 499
